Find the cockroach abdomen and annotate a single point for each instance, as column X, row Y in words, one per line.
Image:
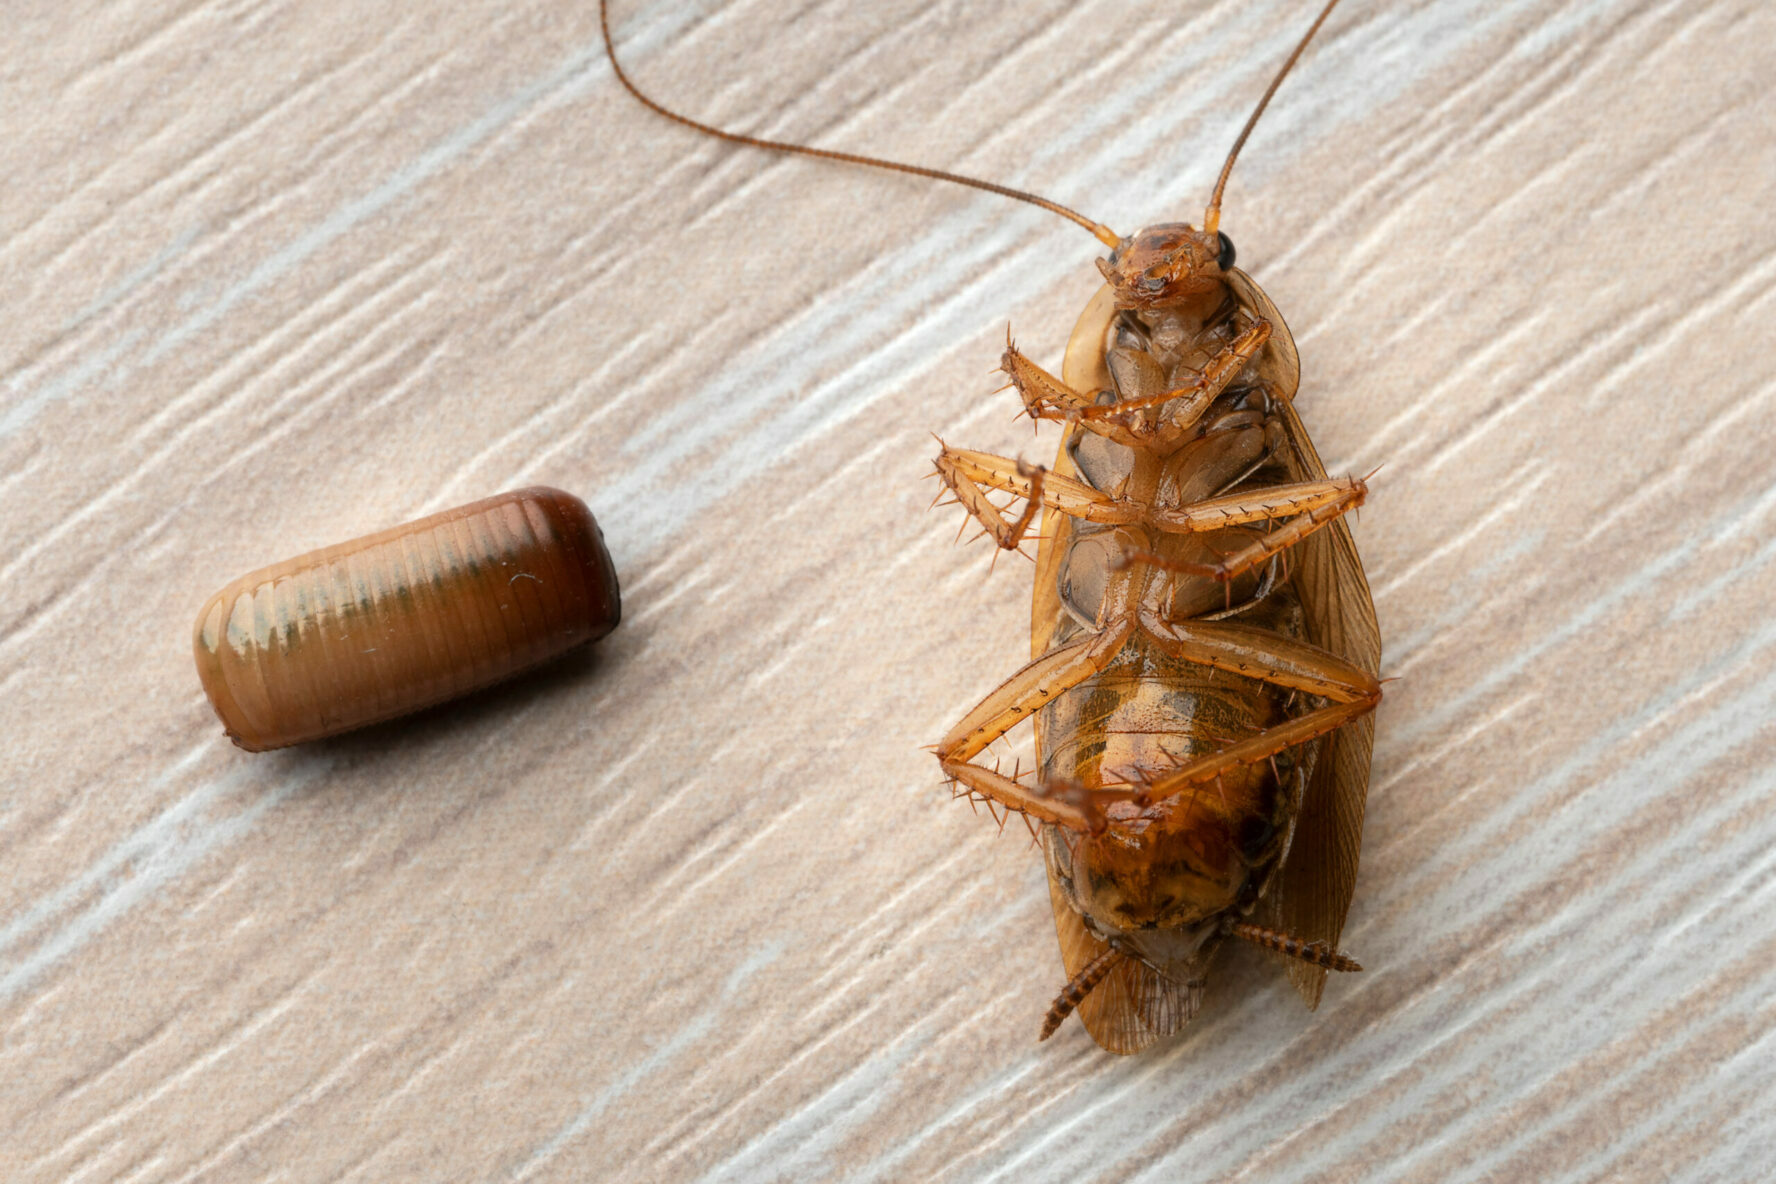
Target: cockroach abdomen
column 404, row 619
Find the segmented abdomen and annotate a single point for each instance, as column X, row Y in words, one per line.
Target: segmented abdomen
column 397, row 621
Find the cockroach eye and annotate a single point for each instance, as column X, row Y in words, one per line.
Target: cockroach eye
column 1225, row 262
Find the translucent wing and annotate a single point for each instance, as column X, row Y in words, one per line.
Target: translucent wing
column 1083, row 370
column 1280, row 364
column 1135, row 1004
column 1309, row 895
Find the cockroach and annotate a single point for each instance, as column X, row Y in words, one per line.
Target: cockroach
column 1204, row 648
column 404, row 619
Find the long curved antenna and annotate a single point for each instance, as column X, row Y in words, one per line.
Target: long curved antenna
column 1212, row 219
column 1104, row 233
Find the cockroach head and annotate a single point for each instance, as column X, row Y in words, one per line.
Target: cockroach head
column 1167, row 264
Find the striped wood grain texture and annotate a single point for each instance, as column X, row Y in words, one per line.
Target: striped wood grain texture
column 695, row 906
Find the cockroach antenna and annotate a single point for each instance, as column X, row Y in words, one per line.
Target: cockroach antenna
column 1104, row 234
column 1212, row 219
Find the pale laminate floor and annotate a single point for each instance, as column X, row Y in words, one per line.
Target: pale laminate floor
column 697, row 907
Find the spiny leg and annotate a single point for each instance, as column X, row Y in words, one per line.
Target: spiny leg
column 1034, row 482
column 1259, row 505
column 1017, row 698
column 1215, row 378
column 1044, row 395
column 1309, row 505
column 1260, row 747
column 1262, row 654
column 1074, row 993
column 1047, row 397
column 966, row 473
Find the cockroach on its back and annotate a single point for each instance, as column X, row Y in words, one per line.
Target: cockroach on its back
column 1202, row 714
column 1204, row 648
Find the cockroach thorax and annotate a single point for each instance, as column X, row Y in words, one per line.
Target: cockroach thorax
column 1166, row 265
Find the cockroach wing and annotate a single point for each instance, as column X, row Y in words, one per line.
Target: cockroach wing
column 1279, row 365
column 1083, row 370
column 1310, row 893
column 1135, row 1005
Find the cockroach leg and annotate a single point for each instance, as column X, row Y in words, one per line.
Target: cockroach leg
column 1314, row 953
column 1221, row 370
column 1262, row 505
column 1314, row 504
column 1074, row 993
column 1047, row 397
column 1253, row 749
column 970, row 474
column 1007, row 533
column 1044, row 395
column 1267, row 585
column 1069, row 808
column 1262, row 654
column 1017, row 698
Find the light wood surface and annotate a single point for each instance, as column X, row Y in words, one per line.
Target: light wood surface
column 696, row 906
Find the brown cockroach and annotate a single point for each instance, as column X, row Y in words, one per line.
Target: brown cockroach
column 404, row 619
column 1204, row 647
